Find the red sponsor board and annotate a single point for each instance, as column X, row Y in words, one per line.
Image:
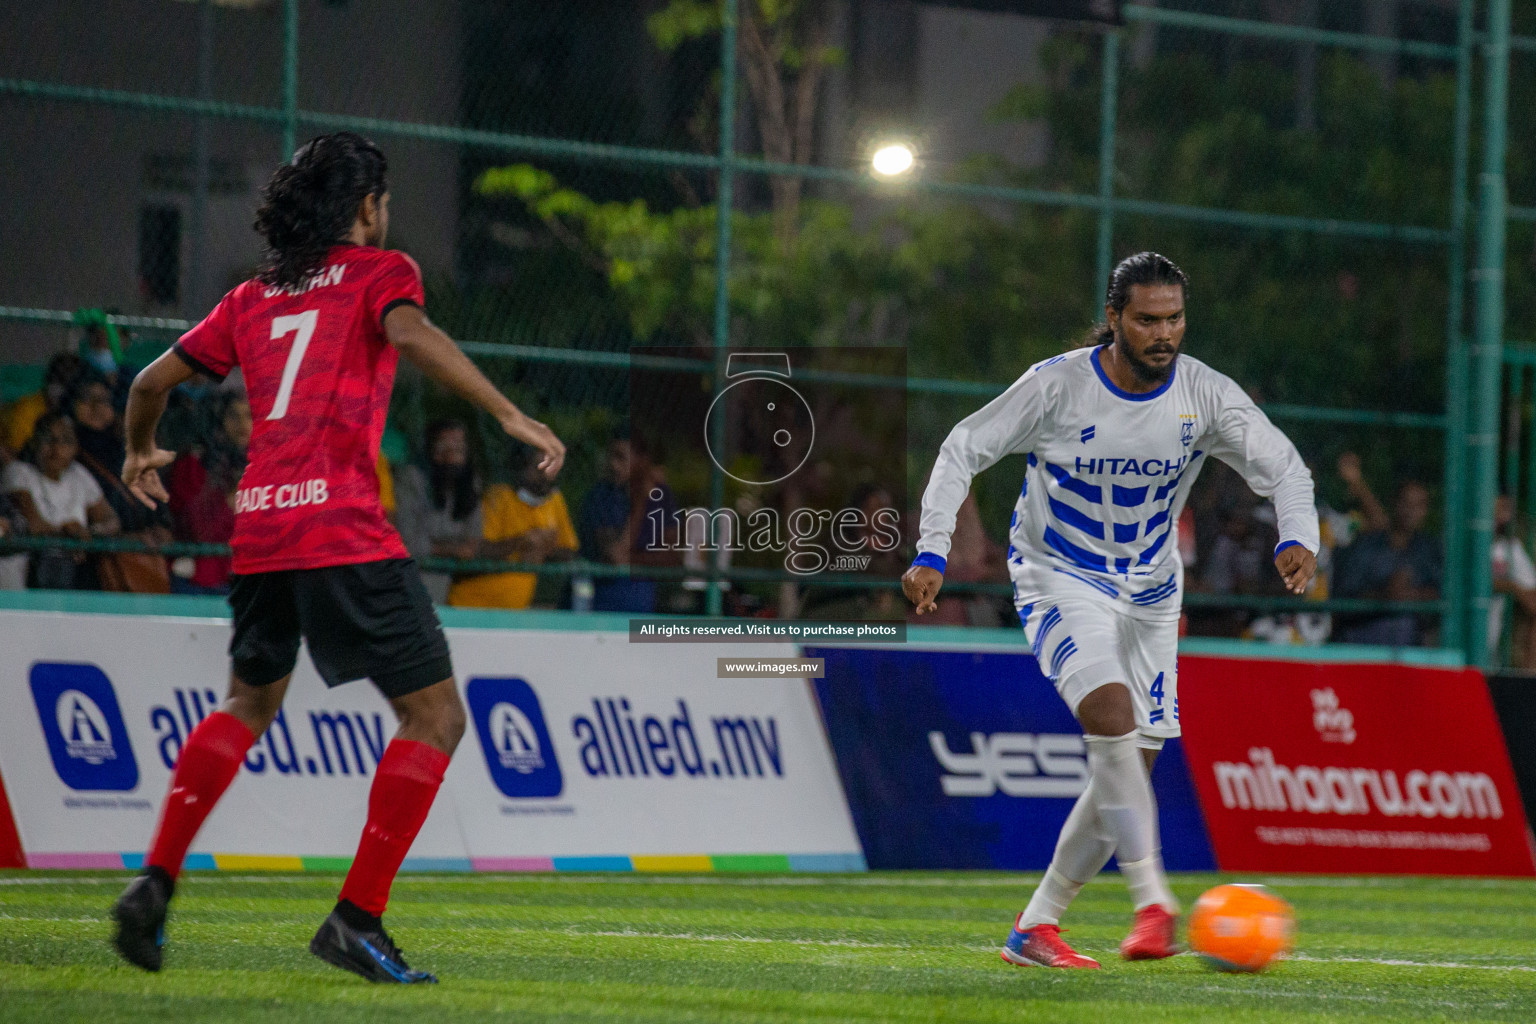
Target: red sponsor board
column 10, row 841
column 1351, row 768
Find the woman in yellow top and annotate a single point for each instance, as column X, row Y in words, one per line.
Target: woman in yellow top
column 526, row 523
column 21, row 416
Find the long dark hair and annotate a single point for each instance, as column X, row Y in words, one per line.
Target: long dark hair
column 223, row 459
column 1143, row 268
column 310, row 203
column 457, row 491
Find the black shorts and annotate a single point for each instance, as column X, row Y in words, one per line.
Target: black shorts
column 372, row 619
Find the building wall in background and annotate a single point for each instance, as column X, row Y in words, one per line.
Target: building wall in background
column 77, row 177
column 913, row 71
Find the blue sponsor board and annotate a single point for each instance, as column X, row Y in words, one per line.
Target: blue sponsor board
column 971, row 760
column 87, row 740
column 514, row 737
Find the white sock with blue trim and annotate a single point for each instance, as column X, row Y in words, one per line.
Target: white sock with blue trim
column 1124, row 796
column 1082, row 850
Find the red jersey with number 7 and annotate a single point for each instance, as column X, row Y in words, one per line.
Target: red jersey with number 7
column 319, row 371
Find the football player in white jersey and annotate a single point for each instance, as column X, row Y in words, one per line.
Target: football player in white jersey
column 1115, row 434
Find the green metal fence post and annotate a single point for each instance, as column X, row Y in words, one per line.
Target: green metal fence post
column 1483, row 440
column 1108, row 101
column 1527, row 504
column 290, row 77
column 1514, row 422
column 1453, row 621
column 723, row 205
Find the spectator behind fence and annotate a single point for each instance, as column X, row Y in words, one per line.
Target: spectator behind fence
column 1335, row 529
column 386, row 474
column 100, row 435
column 617, row 525
column 202, row 489
column 102, row 346
column 1514, row 586
column 438, row 510
column 21, row 416
column 1399, row 562
column 974, row 557
column 866, row 538
column 527, row 522
column 13, row 568
column 59, row 498
column 1238, row 565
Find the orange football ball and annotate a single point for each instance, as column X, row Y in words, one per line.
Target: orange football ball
column 1241, row 927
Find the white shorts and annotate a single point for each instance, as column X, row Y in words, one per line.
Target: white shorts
column 1081, row 644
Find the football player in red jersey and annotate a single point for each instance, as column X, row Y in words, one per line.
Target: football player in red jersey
column 317, row 334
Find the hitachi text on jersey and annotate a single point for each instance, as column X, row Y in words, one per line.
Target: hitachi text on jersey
column 1132, row 467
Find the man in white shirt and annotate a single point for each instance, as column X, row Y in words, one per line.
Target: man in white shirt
column 1115, row 435
column 1513, row 576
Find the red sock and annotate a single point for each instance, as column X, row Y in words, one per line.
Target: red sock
column 207, row 766
column 402, row 794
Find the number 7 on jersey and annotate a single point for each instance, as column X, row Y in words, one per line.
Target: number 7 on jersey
column 304, row 323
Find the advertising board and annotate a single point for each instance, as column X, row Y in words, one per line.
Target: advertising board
column 582, row 752
column 1357, row 768
column 969, row 759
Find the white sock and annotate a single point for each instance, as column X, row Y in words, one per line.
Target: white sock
column 1082, row 850
column 1148, row 883
column 1124, row 796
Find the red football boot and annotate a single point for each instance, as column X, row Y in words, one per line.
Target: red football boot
column 1042, row 946
column 1153, row 935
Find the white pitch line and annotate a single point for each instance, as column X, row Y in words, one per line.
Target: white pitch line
column 571, row 878
column 1384, row 962
column 644, row 878
column 631, row 933
column 1355, row 997
column 1325, row 882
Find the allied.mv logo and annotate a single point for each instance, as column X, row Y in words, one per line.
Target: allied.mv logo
column 514, row 738
column 83, row 725
column 517, row 744
column 84, row 728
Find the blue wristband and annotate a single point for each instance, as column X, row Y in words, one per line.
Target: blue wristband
column 1286, row 544
column 931, row 560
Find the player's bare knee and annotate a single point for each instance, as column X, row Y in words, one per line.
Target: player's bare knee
column 451, row 725
column 434, row 716
column 1107, row 711
column 255, row 706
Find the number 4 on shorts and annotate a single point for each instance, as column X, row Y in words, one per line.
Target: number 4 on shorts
column 1157, row 695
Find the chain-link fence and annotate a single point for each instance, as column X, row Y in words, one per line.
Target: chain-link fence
column 558, row 170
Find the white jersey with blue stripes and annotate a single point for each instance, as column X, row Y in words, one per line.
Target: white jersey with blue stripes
column 1108, row 473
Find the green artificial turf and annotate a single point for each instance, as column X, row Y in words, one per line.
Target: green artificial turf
column 637, row 948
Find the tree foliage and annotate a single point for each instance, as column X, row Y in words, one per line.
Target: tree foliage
column 980, row 290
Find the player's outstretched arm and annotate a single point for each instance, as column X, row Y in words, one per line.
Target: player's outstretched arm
column 921, row 584
column 1269, row 463
column 1296, row 566
column 1009, row 423
column 146, row 404
column 409, row 330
